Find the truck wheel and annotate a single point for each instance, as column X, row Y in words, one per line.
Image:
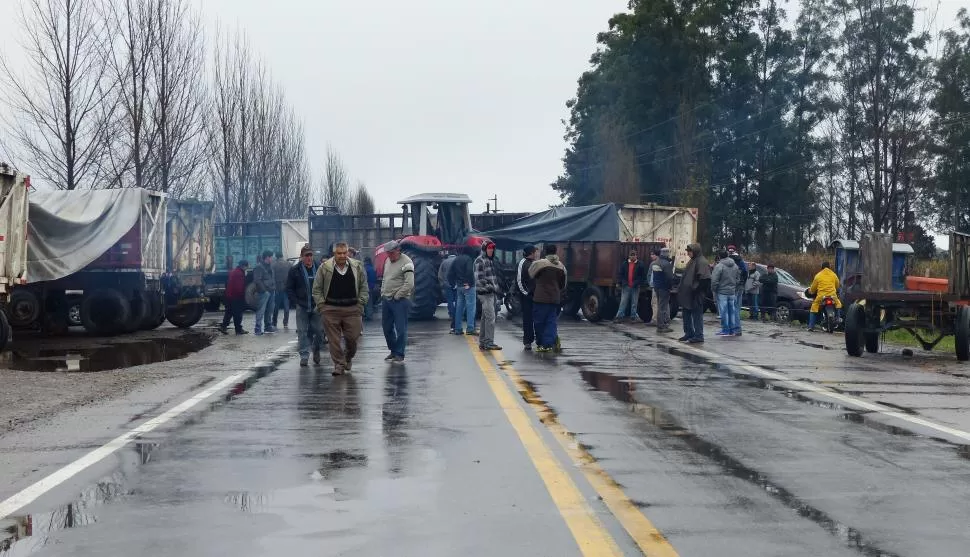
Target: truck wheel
column 427, row 293
column 140, row 309
column 962, row 334
column 645, row 308
column 214, row 304
column 105, row 311
column 855, row 322
column 156, row 312
column 23, row 309
column 5, row 331
column 185, row 315
column 674, row 305
column 595, row 304
column 252, row 297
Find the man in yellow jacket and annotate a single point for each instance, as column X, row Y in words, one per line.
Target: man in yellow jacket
column 826, row 283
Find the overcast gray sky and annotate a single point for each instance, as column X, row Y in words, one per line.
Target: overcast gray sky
column 431, row 95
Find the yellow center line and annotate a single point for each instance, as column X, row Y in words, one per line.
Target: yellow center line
column 647, row 537
column 589, row 532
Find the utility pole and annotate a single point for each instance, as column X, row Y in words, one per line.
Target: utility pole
column 489, row 206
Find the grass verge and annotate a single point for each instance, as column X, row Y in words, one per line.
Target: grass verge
column 900, row 336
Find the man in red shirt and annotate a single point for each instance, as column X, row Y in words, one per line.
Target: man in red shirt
column 235, row 299
column 629, row 277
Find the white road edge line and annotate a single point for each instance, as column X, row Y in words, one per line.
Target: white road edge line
column 825, row 392
column 32, row 492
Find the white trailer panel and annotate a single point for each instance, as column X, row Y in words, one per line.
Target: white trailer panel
column 674, row 226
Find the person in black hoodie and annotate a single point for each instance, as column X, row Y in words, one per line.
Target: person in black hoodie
column 525, row 286
column 462, row 275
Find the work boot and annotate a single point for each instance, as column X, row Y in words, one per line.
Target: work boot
column 242, row 332
column 684, row 338
column 349, row 366
column 389, row 357
column 337, row 370
column 491, row 346
column 224, row 330
column 316, row 356
column 398, row 359
column 304, row 362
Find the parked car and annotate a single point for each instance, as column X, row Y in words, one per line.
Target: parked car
column 792, row 302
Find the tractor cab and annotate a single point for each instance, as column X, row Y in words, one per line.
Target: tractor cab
column 444, row 216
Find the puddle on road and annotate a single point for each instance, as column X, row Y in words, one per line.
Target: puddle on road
column 623, row 388
column 116, row 355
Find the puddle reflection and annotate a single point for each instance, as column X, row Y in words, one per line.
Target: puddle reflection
column 117, row 355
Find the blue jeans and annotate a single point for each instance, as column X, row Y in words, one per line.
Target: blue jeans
column 726, row 305
column 546, row 324
column 754, row 309
column 282, row 303
column 467, row 300
column 738, row 298
column 450, row 297
column 395, row 322
column 309, row 331
column 374, row 295
column 629, row 296
column 264, row 308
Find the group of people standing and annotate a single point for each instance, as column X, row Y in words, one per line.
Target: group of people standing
column 330, row 300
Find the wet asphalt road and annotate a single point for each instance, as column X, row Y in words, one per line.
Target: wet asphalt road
column 522, row 454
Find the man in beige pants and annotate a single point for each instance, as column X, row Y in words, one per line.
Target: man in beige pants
column 340, row 293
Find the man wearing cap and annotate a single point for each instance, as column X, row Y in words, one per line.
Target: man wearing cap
column 299, row 292
column 487, row 287
column 525, row 286
column 396, row 293
column 340, row 292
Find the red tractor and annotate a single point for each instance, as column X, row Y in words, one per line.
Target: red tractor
column 439, row 223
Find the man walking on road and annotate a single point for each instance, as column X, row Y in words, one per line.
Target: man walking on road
column 462, row 275
column 281, row 270
column 630, row 276
column 340, row 292
column 693, row 287
column 724, row 285
column 235, row 299
column 662, row 273
column 447, row 288
column 769, row 293
column 265, row 283
column 525, row 287
column 299, row 291
column 550, row 280
column 396, row 300
column 486, row 284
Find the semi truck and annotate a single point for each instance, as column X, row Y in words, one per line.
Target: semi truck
column 237, row 241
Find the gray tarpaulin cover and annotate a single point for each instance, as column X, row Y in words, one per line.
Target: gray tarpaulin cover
column 67, row 230
column 591, row 223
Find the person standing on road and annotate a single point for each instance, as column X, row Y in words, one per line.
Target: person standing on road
column 340, row 292
column 630, row 275
column 373, row 293
column 265, row 283
column 235, row 299
column 487, row 287
column 299, row 291
column 525, row 287
column 447, row 288
column 753, row 289
column 396, row 293
column 281, row 270
column 662, row 272
column 690, row 295
column 724, row 285
column 769, row 293
column 742, row 280
column 462, row 275
column 549, row 275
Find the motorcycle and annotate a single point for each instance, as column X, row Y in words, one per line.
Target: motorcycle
column 830, row 318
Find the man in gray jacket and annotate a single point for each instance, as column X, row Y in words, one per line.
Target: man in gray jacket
column 396, row 291
column 265, row 281
column 724, row 284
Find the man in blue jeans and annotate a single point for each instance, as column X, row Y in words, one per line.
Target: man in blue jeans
column 724, row 285
column 265, row 282
column 739, row 293
column 630, row 276
column 462, row 275
column 447, row 288
column 396, row 293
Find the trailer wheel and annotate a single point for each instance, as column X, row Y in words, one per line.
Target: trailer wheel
column 855, row 321
column 105, row 311
column 140, row 309
column 5, row 331
column 156, row 311
column 185, row 315
column 595, row 304
column 962, row 334
column 252, row 297
column 872, row 343
column 23, row 309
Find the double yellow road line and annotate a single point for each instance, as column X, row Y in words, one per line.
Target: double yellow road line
column 589, row 532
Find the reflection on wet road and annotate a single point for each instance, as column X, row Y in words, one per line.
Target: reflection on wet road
column 524, row 454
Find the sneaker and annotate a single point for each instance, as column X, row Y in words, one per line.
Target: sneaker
column 684, row 338
column 737, row 334
column 242, row 332
column 258, row 333
column 304, row 362
column 723, row 334
column 349, row 366
column 316, row 356
column 543, row 349
column 337, row 371
column 527, row 347
column 389, row 357
column 224, row 330
column 695, row 341
column 492, row 346
column 398, row 359
column 269, row 331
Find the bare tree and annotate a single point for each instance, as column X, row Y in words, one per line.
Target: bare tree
column 336, row 182
column 361, row 202
column 62, row 107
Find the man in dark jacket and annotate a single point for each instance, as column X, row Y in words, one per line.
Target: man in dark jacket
column 693, row 288
column 299, row 292
column 662, row 271
column 265, row 282
column 281, row 268
column 235, row 299
column 462, row 275
column 549, row 275
column 769, row 293
column 525, row 286
column 630, row 276
column 488, row 289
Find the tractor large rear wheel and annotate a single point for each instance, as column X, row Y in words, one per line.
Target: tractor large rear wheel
column 426, row 291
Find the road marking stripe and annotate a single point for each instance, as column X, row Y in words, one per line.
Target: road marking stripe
column 30, row 493
column 798, row 384
column 588, row 531
column 647, row 536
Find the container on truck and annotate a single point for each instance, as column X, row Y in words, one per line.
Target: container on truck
column 189, row 257
column 14, row 189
